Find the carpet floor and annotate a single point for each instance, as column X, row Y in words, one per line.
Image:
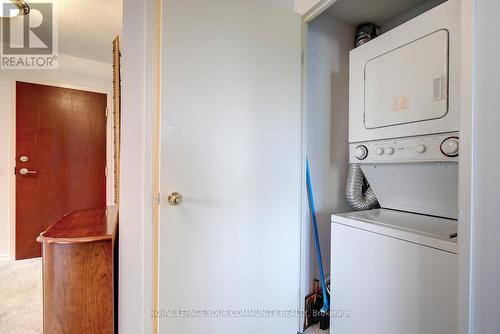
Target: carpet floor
column 21, row 297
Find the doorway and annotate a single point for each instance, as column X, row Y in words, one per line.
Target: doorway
column 230, row 172
column 55, row 120
column 60, row 158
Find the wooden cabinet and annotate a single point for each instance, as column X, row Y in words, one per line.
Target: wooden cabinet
column 79, row 272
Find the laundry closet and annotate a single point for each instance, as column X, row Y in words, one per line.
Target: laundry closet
column 382, row 135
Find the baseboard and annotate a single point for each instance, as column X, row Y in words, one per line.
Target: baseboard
column 4, row 258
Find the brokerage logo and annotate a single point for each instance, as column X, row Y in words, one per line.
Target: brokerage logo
column 30, row 41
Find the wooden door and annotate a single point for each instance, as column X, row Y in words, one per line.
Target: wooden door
column 61, row 142
column 231, row 126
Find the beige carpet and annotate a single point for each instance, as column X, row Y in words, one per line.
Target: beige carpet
column 21, row 297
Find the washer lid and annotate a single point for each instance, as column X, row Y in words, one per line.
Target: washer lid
column 424, row 230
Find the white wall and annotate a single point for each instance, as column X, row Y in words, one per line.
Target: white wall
column 328, row 44
column 288, row 4
column 73, row 72
column 485, row 248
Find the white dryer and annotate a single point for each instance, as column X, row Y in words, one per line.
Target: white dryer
column 406, row 82
column 403, row 113
column 393, row 272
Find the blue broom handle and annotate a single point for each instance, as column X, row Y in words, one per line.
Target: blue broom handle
column 316, row 237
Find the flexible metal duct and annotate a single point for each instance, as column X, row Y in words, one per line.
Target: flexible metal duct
column 358, row 199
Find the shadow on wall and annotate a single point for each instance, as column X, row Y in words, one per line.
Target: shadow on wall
column 329, row 43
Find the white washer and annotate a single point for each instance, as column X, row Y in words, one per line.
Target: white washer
column 393, row 272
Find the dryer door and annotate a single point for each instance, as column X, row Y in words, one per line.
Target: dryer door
column 408, row 84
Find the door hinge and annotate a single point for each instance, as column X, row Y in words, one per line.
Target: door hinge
column 106, row 171
column 158, row 198
column 106, row 112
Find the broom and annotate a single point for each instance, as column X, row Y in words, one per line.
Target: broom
column 326, row 304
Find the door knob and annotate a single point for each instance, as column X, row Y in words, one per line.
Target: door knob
column 174, row 198
column 24, row 171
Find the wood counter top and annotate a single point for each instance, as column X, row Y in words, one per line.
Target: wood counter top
column 83, row 226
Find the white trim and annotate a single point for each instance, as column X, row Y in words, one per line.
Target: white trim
column 4, row 258
column 304, row 213
column 136, row 200
column 317, row 10
column 156, row 161
column 12, row 178
column 466, row 163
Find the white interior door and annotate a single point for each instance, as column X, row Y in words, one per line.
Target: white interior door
column 231, row 125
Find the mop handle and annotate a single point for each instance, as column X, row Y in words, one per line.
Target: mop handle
column 316, row 236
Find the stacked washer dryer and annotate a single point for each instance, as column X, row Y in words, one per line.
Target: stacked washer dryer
column 394, row 268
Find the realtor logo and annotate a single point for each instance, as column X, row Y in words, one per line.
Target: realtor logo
column 30, row 41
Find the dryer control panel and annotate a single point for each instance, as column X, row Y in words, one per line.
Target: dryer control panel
column 433, row 148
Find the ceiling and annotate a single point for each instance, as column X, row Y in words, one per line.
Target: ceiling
column 87, row 27
column 379, row 12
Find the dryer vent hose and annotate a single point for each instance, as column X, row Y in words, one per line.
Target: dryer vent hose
column 358, row 199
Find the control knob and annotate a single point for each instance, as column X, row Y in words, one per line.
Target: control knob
column 421, row 148
column 450, row 146
column 361, row 152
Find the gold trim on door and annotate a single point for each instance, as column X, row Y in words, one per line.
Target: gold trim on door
column 156, row 159
column 116, row 116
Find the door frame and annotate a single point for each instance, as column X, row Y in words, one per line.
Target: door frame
column 138, row 179
column 13, row 147
column 467, row 130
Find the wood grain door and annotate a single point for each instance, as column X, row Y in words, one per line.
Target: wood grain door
column 60, row 158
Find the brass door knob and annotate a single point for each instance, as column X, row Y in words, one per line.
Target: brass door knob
column 174, row 198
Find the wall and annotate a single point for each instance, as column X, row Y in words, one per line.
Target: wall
column 485, row 248
column 73, row 72
column 288, row 4
column 327, row 109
